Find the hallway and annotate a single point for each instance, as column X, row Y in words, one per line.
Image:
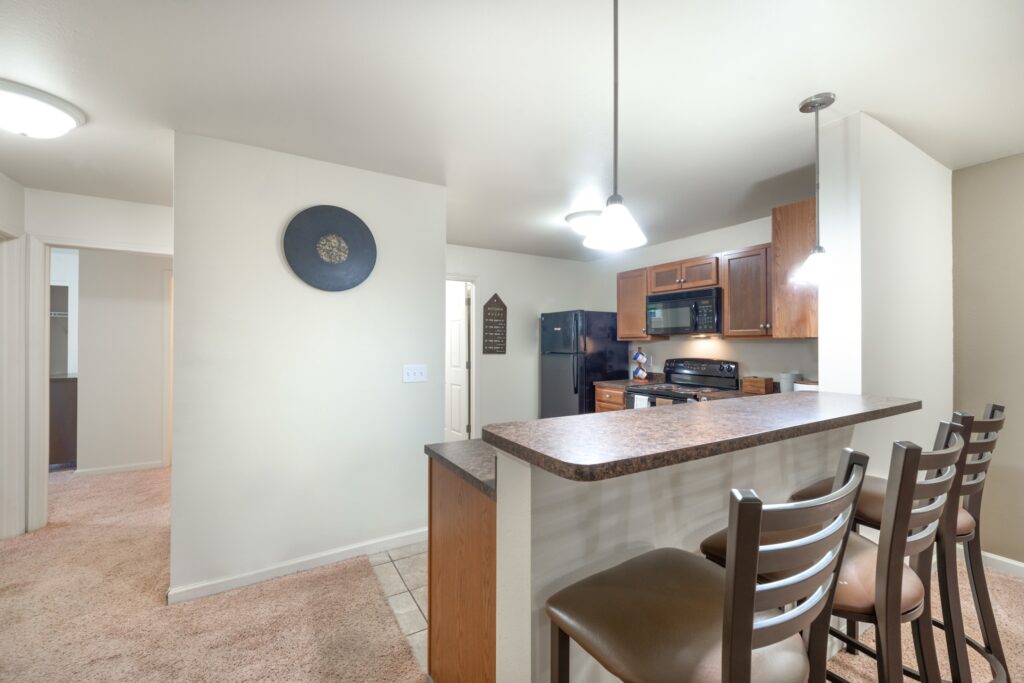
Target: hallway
column 84, row 599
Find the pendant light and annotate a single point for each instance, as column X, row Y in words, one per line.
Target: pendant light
column 811, row 271
column 615, row 229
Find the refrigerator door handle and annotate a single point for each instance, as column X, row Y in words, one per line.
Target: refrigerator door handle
column 575, row 374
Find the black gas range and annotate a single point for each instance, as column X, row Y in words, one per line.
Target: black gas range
column 689, row 380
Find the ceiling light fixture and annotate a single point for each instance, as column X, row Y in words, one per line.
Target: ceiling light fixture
column 583, row 222
column 812, row 270
column 614, row 229
column 36, row 114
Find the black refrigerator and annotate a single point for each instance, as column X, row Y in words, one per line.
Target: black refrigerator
column 577, row 348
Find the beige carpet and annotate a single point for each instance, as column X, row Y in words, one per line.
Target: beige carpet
column 84, row 600
column 1008, row 604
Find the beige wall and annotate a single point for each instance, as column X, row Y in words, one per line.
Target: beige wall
column 296, row 443
column 988, row 239
column 124, row 339
column 12, row 208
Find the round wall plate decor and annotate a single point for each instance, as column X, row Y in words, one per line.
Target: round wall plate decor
column 330, row 248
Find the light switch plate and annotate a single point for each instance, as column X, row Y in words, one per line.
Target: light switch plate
column 414, row 373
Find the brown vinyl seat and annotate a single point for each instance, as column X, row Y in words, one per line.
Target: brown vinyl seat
column 669, row 616
column 872, row 500
column 667, row 591
column 856, row 589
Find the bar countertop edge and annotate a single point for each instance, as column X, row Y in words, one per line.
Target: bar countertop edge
column 471, row 459
column 631, row 441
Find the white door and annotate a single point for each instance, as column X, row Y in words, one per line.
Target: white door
column 456, row 361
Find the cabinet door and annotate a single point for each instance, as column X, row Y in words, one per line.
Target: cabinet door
column 745, row 283
column 664, row 278
column 632, row 304
column 794, row 306
column 699, row 272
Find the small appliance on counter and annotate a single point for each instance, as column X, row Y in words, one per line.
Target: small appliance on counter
column 693, row 311
column 578, row 348
column 688, row 380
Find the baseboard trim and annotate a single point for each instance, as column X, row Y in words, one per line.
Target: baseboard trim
column 153, row 465
column 1002, row 564
column 201, row 589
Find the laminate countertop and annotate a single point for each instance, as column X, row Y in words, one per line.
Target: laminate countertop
column 612, row 444
column 472, row 459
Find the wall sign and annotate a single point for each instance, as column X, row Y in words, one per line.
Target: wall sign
column 495, row 325
column 330, row 248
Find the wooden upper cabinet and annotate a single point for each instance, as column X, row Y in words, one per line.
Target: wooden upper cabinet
column 746, row 292
column 631, row 290
column 689, row 274
column 794, row 307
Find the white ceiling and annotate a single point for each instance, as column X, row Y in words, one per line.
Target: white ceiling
column 507, row 103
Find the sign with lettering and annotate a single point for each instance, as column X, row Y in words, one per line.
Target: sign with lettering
column 495, row 325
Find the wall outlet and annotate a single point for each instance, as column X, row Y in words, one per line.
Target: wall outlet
column 414, row 373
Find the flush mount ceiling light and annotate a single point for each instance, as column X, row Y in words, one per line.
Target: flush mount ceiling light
column 36, row 114
column 613, row 229
column 812, row 270
column 584, row 222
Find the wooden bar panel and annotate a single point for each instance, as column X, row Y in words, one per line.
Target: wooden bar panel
column 461, row 596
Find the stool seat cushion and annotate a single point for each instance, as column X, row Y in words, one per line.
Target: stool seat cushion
column 872, row 501
column 657, row 618
column 855, row 592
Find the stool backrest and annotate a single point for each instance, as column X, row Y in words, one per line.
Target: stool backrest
column 981, row 435
column 915, row 500
column 756, row 614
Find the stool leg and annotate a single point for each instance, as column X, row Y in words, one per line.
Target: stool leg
column 924, row 636
column 890, row 649
column 952, row 615
column 559, row 655
column 817, row 647
column 982, row 601
column 852, row 631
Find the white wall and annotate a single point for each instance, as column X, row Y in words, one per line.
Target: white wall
column 64, row 271
column 894, row 202
column 756, row 357
column 124, row 351
column 508, row 386
column 13, row 353
column 12, row 208
column 73, row 220
column 988, row 236
column 295, row 441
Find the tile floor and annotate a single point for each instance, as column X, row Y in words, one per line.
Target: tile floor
column 402, row 573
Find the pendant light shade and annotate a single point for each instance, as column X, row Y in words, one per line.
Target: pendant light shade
column 614, row 228
column 812, row 271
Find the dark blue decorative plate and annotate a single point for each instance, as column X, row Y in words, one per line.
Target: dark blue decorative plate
column 330, row 248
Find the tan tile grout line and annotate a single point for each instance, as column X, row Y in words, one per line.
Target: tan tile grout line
column 409, row 591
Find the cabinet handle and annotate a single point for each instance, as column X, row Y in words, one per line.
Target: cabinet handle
column 644, row 330
column 678, row 281
column 761, row 326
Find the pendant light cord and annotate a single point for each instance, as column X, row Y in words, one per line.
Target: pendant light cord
column 615, row 99
column 817, row 183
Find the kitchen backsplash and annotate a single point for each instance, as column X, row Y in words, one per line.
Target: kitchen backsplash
column 764, row 358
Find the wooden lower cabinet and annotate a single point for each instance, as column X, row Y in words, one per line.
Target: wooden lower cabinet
column 612, row 397
column 461, row 579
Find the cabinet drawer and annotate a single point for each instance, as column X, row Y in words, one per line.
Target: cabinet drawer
column 600, row 407
column 613, row 396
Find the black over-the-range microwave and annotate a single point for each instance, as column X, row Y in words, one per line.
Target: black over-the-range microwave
column 694, row 311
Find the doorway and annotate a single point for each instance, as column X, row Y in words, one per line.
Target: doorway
column 458, row 370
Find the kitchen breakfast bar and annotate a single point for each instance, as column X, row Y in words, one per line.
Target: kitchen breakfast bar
column 535, row 506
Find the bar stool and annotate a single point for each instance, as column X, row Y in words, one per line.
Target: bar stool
column 875, row 586
column 668, row 616
column 961, row 526
column 981, row 435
